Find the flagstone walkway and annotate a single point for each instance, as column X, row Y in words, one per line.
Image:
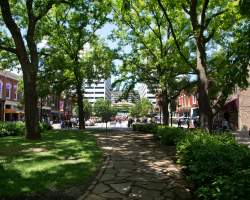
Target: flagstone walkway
column 137, row 167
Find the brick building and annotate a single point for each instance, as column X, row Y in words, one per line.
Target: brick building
column 52, row 108
column 9, row 99
column 187, row 105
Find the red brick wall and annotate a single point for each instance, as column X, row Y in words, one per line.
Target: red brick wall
column 13, row 82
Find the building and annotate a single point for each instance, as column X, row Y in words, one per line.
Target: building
column 99, row 90
column 10, row 109
column 237, row 110
column 133, row 96
column 145, row 93
column 187, row 105
column 55, row 107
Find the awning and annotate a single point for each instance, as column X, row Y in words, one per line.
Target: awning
column 232, row 105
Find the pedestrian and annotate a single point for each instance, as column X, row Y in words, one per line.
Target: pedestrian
column 225, row 125
column 188, row 123
column 179, row 123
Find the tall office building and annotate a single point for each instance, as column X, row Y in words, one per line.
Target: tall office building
column 99, row 90
column 145, row 93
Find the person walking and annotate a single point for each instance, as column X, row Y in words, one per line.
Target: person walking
column 179, row 123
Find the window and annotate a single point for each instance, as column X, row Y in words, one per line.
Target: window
column 194, row 99
column 8, row 90
column 99, row 92
column 1, row 89
column 15, row 92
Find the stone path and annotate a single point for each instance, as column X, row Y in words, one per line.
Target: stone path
column 137, row 168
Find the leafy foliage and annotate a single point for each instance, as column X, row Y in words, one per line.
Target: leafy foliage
column 18, row 128
column 104, row 109
column 145, row 128
column 214, row 163
column 141, row 109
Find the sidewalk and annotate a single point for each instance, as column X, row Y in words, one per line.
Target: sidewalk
column 138, row 168
column 242, row 137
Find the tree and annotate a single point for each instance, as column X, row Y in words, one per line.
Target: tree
column 210, row 23
column 104, row 109
column 87, row 108
column 23, row 19
column 86, row 58
column 142, row 108
column 153, row 59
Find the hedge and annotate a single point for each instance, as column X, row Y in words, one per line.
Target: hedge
column 216, row 165
column 18, row 128
column 146, row 128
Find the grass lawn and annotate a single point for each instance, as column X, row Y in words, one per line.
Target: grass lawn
column 60, row 159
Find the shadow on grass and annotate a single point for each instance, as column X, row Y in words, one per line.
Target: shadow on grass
column 59, row 161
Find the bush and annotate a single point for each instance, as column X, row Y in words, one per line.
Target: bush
column 170, row 135
column 218, row 167
column 12, row 128
column 44, row 127
column 18, row 128
column 146, row 128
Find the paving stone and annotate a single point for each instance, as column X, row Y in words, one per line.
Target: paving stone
column 138, row 168
column 151, row 185
column 112, row 195
column 144, row 194
column 100, row 188
column 107, row 177
column 122, row 188
column 94, row 197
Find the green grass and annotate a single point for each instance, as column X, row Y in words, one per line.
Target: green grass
column 59, row 160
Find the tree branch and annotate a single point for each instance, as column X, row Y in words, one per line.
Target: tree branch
column 210, row 36
column 15, row 32
column 174, row 35
column 9, row 49
column 208, row 20
column 203, row 14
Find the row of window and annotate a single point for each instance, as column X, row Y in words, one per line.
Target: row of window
column 8, row 88
column 94, row 92
column 94, row 87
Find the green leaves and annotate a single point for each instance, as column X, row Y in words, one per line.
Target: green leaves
column 141, row 108
column 103, row 109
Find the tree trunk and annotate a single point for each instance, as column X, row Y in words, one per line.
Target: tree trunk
column 41, row 109
column 165, row 104
column 205, row 110
column 80, row 107
column 30, row 103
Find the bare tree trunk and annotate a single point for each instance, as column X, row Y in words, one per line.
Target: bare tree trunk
column 205, row 110
column 80, row 107
column 165, row 104
column 30, row 105
column 41, row 109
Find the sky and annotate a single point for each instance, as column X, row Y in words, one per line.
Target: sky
column 103, row 33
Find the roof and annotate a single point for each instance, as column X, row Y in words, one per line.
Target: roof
column 10, row 75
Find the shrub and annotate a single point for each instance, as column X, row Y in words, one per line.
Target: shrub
column 12, row 128
column 18, row 128
column 146, row 128
column 170, row 135
column 216, row 164
column 44, row 127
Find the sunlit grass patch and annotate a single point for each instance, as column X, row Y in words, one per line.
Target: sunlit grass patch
column 60, row 159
